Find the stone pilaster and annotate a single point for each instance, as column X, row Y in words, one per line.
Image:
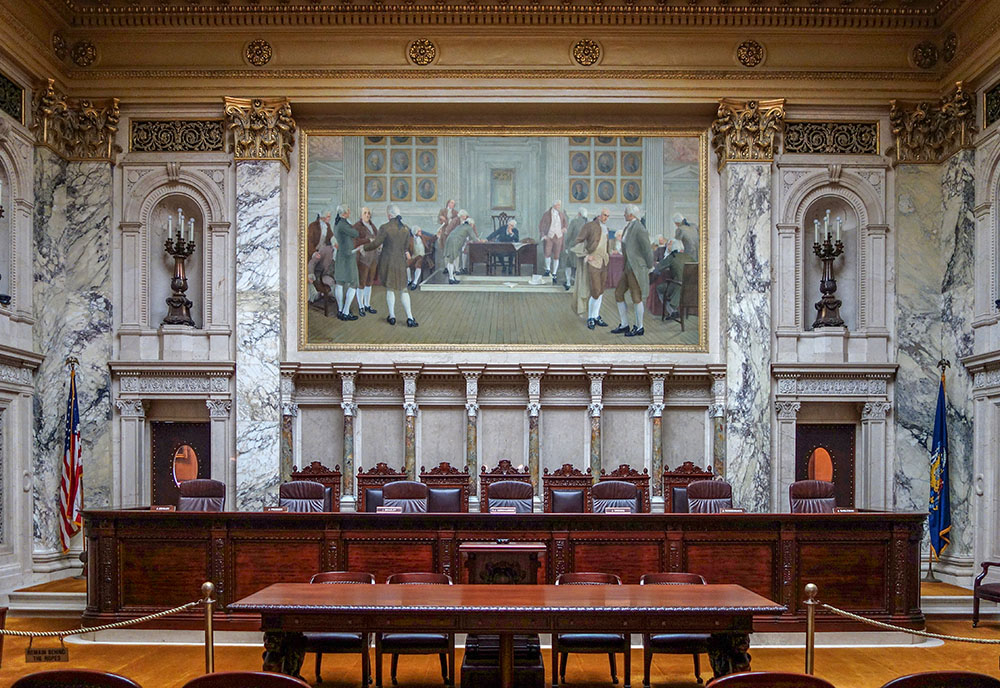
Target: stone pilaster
column 656, row 416
column 289, row 418
column 595, row 408
column 787, row 412
column 534, row 410
column 132, row 430
column 874, row 441
column 350, row 409
column 410, row 409
column 717, row 418
column 223, row 461
column 471, row 425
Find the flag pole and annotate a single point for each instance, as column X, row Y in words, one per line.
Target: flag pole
column 942, row 365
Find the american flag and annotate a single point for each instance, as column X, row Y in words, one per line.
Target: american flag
column 71, row 483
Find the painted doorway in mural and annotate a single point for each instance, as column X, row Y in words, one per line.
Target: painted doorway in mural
column 826, row 452
column 181, row 451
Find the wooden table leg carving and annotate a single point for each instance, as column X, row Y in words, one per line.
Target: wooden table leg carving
column 283, row 652
column 728, row 653
column 507, row 660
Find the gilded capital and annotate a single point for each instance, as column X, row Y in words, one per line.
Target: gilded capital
column 930, row 132
column 75, row 128
column 263, row 128
column 747, row 130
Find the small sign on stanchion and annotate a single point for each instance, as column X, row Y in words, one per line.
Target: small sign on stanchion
column 33, row 655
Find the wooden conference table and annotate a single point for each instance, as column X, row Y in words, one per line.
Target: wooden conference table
column 725, row 611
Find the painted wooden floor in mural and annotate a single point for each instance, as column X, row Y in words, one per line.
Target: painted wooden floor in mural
column 497, row 318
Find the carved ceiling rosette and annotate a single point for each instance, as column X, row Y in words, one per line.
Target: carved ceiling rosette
column 930, row 132
column 263, row 128
column 748, row 131
column 75, row 128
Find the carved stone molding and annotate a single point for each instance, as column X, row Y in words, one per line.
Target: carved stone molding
column 930, row 132
column 831, row 138
column 833, row 386
column 75, row 128
column 174, row 384
column 787, row 410
column 991, row 109
column 84, row 53
column 263, row 128
column 986, row 378
column 747, row 131
column 586, row 52
column 950, row 47
column 59, row 46
column 750, row 53
column 421, row 52
column 875, row 410
column 131, row 408
column 924, row 55
column 258, row 52
column 15, row 375
column 219, row 408
column 177, row 135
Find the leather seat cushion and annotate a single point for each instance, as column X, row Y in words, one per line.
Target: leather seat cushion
column 989, row 591
column 591, row 642
column 333, row 642
column 414, row 642
column 679, row 643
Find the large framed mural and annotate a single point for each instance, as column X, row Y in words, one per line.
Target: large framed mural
column 555, row 241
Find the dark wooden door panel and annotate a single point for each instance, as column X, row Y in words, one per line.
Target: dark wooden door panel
column 748, row 564
column 386, row 557
column 628, row 560
column 167, row 438
column 838, row 440
column 163, row 573
column 286, row 561
column 850, row 575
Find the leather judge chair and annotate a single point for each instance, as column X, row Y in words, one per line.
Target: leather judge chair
column 811, row 497
column 590, row 643
column 409, row 495
column 202, row 495
column 770, row 679
column 617, row 494
column 512, row 493
column 709, row 496
column 74, row 678
column 336, row 642
column 446, row 500
column 245, row 679
column 944, row 679
column 441, row 644
column 679, row 500
column 302, row 496
column 693, row 644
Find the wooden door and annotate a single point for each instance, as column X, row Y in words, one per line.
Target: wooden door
column 181, row 451
column 826, row 452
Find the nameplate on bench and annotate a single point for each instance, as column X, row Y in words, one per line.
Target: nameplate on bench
column 844, row 510
column 163, row 507
column 388, row 510
column 276, row 509
column 503, row 510
column 618, row 510
column 733, row 510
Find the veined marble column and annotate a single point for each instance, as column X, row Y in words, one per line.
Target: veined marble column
column 534, row 409
column 595, row 408
column 744, row 138
column 410, row 431
column 133, row 483
column 350, row 408
column 656, row 416
column 471, row 427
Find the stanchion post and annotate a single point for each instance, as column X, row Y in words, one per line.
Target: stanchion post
column 810, row 602
column 207, row 589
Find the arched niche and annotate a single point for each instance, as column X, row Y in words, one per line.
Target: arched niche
column 6, row 227
column 845, row 267
column 161, row 216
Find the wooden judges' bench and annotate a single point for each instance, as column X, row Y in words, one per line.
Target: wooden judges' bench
column 145, row 561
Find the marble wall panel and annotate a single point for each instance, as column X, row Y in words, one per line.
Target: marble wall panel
column 564, row 437
column 624, row 438
column 442, row 436
column 747, row 189
column 380, row 433
column 684, row 436
column 502, row 433
column 258, row 332
column 934, row 268
column 73, row 307
column 322, row 432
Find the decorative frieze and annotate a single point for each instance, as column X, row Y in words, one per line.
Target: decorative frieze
column 991, row 112
column 833, row 386
column 75, row 128
column 174, row 384
column 11, row 98
column 177, row 135
column 747, row 130
column 14, row 375
column 263, row 128
column 832, row 138
column 986, row 378
column 930, row 132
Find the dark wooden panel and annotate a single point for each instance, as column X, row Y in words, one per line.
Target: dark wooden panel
column 162, row 573
column 852, row 575
column 628, row 560
column 383, row 558
column 259, row 563
column 750, row 564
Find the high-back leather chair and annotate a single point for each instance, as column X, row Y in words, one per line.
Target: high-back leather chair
column 202, row 495
column 615, row 493
column 770, row 679
column 245, row 679
column 678, row 500
column 370, row 484
column 330, row 478
column 709, row 496
column 503, row 471
column 811, row 497
column 942, row 679
column 441, row 644
column 590, row 643
column 566, row 490
column 626, row 474
column 409, row 495
column 74, row 678
column 693, row 644
column 681, row 476
column 511, row 493
column 447, row 488
column 340, row 642
column 303, row 496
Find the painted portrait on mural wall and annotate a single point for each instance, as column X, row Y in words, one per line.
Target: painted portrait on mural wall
column 503, row 242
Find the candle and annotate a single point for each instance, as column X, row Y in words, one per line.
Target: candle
column 826, row 225
column 180, row 223
column 170, row 226
column 191, row 230
column 840, row 224
column 816, row 227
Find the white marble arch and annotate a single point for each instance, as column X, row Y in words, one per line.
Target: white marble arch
column 206, row 188
column 855, row 188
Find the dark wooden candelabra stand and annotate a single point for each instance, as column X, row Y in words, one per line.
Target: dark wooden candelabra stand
column 179, row 303
column 828, row 307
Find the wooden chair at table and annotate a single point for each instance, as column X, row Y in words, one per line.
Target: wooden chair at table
column 245, row 679
column 984, row 591
column 615, row 494
column 770, row 679
column 693, row 644
column 590, row 643
column 507, row 493
column 74, row 678
column 441, row 644
column 202, row 494
column 340, row 642
column 447, row 488
column 407, row 495
column 370, row 484
column 944, row 679
column 709, row 496
column 303, row 496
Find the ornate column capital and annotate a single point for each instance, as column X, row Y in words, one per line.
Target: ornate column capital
column 747, row 130
column 534, row 408
column 219, row 408
column 596, row 391
column 347, row 378
column 534, row 391
column 131, row 408
column 656, row 410
column 263, row 128
column 717, row 411
column 930, row 132
column 350, row 408
column 289, row 408
column 787, row 410
column 75, row 128
column 875, row 410
column 472, row 390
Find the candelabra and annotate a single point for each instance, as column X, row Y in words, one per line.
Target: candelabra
column 180, row 248
column 828, row 307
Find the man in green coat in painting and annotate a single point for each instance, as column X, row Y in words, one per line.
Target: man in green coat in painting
column 638, row 255
column 397, row 248
column 670, row 291
column 345, row 266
